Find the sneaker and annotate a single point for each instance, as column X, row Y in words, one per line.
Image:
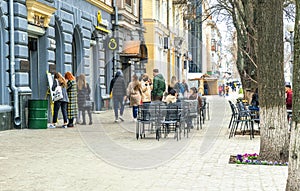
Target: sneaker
column 135, row 119
column 51, row 126
column 90, row 123
column 121, row 118
column 64, row 126
column 116, row 120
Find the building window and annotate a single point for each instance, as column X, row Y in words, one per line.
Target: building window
column 128, row 2
column 157, row 8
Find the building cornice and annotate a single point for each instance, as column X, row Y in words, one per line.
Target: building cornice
column 127, row 14
column 101, row 5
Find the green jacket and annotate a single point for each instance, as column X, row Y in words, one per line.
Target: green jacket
column 159, row 85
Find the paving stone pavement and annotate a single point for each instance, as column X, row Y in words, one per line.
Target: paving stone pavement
column 107, row 156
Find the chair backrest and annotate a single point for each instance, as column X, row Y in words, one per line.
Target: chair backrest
column 190, row 106
column 172, row 112
column 232, row 107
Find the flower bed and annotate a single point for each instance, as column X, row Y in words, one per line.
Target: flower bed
column 253, row 159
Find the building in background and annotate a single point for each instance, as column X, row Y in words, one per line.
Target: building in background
column 97, row 38
column 131, row 56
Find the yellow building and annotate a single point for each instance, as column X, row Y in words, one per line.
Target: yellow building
column 163, row 20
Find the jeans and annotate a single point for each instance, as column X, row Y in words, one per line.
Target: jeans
column 118, row 100
column 135, row 111
column 63, row 106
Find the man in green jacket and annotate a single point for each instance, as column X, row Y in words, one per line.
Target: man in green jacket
column 159, row 86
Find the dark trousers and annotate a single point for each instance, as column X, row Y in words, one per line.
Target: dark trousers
column 118, row 100
column 89, row 114
column 63, row 106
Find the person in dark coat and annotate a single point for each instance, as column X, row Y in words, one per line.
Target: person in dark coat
column 118, row 90
column 254, row 101
column 159, row 86
column 84, row 92
column 72, row 94
column 59, row 80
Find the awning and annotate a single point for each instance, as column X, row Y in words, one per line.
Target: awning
column 134, row 49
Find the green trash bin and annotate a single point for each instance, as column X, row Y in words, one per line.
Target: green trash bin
column 37, row 114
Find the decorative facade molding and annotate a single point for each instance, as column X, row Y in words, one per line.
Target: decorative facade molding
column 38, row 13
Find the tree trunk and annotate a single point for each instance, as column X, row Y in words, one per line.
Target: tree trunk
column 245, row 23
column 274, row 131
column 293, row 182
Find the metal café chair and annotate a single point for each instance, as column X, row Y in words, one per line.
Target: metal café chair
column 243, row 117
column 170, row 120
column 147, row 115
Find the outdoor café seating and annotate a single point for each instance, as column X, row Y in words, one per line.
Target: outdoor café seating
column 243, row 117
column 162, row 119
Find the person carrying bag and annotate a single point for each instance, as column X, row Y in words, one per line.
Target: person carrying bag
column 60, row 101
column 84, row 101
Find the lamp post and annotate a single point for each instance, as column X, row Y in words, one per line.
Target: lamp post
column 290, row 29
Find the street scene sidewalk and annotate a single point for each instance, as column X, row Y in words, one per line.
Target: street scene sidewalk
column 107, row 156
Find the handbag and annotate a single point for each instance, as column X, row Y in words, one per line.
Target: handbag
column 57, row 94
column 88, row 104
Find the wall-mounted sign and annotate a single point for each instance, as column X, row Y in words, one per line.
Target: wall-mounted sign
column 101, row 23
column 99, row 18
column 112, row 43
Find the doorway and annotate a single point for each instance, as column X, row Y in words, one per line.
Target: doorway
column 33, row 58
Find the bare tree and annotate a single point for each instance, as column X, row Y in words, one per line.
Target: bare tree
column 293, row 182
column 274, row 132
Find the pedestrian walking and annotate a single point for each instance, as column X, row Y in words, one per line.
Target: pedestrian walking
column 227, row 90
column 159, row 86
column 118, row 92
column 206, row 88
column 72, row 94
column 134, row 92
column 84, row 98
column 59, row 80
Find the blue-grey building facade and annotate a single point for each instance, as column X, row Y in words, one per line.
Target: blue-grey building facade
column 54, row 36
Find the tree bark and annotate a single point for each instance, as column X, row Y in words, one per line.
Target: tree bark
column 274, row 131
column 293, row 182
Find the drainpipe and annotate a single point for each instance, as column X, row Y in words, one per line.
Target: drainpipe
column 141, row 21
column 17, row 119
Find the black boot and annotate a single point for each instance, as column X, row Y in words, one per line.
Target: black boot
column 70, row 124
column 90, row 117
